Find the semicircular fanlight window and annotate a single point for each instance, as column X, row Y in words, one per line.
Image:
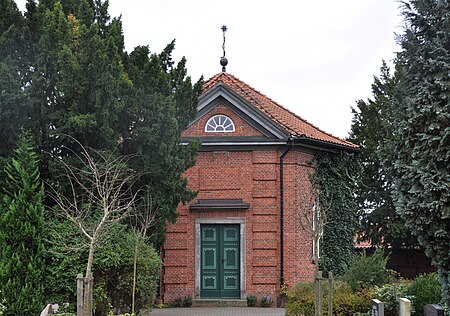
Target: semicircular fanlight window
column 219, row 123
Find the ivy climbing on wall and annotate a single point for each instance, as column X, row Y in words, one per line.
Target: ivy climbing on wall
column 335, row 176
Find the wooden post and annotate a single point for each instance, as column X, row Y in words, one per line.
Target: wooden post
column 80, row 294
column 318, row 300
column 320, row 294
column 91, row 298
column 330, row 293
column 316, row 293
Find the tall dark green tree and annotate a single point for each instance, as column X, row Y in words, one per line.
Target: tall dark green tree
column 420, row 160
column 22, row 233
column 372, row 128
column 80, row 81
column 12, row 67
column 68, row 73
column 164, row 101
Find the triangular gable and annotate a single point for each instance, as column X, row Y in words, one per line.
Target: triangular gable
column 266, row 112
column 220, row 95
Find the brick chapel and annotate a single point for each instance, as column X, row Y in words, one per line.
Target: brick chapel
column 241, row 236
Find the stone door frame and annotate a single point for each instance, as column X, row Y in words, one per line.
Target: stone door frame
column 217, row 221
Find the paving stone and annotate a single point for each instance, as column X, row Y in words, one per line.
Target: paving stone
column 219, row 311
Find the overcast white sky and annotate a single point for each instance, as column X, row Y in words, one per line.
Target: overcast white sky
column 315, row 58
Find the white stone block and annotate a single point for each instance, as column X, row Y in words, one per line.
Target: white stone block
column 404, row 307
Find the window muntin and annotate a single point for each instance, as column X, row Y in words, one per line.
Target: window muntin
column 219, row 124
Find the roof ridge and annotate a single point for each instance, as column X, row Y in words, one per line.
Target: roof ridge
column 268, row 106
column 286, row 109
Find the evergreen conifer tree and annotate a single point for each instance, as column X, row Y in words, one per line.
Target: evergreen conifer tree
column 22, row 233
column 68, row 73
column 420, row 159
column 372, row 128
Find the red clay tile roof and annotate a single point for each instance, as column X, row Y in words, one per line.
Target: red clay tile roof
column 288, row 120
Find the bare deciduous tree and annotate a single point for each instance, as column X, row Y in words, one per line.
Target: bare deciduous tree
column 99, row 195
column 142, row 220
column 313, row 219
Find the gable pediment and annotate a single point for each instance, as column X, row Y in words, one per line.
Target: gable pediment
column 251, row 124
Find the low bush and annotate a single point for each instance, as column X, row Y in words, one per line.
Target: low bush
column 113, row 275
column 300, row 300
column 181, row 302
column 113, row 270
column 368, row 271
column 178, row 302
column 346, row 302
column 2, row 307
column 425, row 289
column 187, row 301
column 349, row 302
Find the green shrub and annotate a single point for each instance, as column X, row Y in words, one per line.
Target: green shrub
column 301, row 300
column 178, row 302
column 187, row 301
column 2, row 308
column 113, row 275
column 181, row 302
column 348, row 302
column 251, row 301
column 367, row 271
column 345, row 300
column 425, row 289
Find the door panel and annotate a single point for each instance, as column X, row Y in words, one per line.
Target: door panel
column 220, row 261
column 209, row 261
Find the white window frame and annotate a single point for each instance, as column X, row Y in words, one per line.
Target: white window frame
column 218, row 121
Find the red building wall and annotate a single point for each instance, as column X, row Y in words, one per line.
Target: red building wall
column 254, row 177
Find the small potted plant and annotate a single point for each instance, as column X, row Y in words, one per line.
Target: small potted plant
column 282, row 298
column 251, row 301
column 266, row 301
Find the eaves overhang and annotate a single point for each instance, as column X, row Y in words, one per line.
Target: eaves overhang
column 229, row 143
column 323, row 145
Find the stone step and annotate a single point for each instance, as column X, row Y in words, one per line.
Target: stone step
column 219, row 302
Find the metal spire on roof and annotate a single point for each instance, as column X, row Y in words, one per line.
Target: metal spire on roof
column 223, row 60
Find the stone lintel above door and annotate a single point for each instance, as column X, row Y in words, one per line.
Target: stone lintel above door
column 219, row 204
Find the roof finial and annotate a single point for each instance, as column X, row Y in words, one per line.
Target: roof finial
column 223, row 60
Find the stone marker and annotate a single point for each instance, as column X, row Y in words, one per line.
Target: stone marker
column 50, row 309
column 433, row 310
column 404, row 307
column 377, row 308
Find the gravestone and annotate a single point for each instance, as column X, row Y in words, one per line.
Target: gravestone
column 404, row 307
column 377, row 308
column 433, row 310
column 50, row 309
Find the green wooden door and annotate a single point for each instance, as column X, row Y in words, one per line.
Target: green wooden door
column 220, row 275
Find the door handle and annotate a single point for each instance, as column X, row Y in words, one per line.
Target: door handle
column 223, row 260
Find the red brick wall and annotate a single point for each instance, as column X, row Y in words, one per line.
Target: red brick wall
column 254, row 177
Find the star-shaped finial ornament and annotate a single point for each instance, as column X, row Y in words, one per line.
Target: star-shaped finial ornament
column 223, row 60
